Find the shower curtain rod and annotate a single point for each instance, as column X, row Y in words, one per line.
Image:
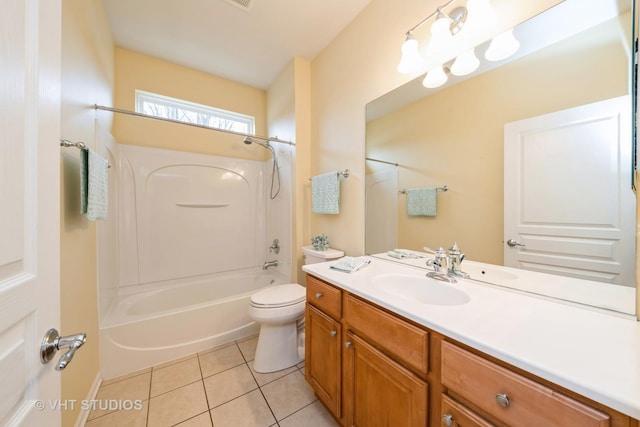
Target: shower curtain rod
column 146, row 116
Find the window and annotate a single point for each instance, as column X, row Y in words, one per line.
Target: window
column 189, row 112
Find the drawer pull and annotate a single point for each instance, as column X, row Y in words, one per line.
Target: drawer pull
column 318, row 295
column 333, row 333
column 503, row 400
column 447, row 419
column 347, row 344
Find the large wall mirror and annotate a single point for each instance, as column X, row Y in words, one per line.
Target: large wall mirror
column 536, row 149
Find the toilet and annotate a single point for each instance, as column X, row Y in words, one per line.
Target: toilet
column 279, row 310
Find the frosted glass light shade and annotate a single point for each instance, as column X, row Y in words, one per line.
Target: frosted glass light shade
column 441, row 38
column 434, row 78
column 465, row 63
column 502, row 46
column 411, row 60
column 480, row 14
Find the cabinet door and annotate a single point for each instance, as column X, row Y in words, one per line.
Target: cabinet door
column 378, row 391
column 323, row 354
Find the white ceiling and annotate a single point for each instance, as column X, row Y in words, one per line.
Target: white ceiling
column 218, row 37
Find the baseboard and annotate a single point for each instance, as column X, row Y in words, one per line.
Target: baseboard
column 93, row 391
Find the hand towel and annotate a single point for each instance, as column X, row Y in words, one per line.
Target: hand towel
column 421, row 202
column 325, row 194
column 350, row 264
column 94, row 185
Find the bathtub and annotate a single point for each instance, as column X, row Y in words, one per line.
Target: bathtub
column 176, row 319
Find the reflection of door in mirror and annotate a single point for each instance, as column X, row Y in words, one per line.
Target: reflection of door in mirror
column 577, row 162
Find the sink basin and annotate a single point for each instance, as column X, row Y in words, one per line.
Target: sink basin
column 420, row 289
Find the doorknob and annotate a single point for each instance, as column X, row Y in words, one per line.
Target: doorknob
column 52, row 342
column 512, row 243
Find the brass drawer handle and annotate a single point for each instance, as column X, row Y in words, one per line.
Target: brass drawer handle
column 333, row 333
column 447, row 419
column 503, row 400
column 318, row 295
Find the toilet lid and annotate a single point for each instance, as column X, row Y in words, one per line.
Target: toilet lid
column 279, row 296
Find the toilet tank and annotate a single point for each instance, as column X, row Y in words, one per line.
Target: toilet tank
column 312, row 256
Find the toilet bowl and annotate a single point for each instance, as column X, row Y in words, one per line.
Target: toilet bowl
column 279, row 310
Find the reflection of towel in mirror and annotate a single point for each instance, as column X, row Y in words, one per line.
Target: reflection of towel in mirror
column 404, row 253
column 325, row 194
column 421, row 202
column 350, row 264
column 94, row 185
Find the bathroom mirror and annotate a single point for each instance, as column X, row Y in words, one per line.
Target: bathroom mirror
column 572, row 55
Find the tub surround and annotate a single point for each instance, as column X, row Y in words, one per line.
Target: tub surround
column 592, row 353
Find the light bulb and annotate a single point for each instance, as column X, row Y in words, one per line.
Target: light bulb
column 465, row 63
column 411, row 60
column 502, row 46
column 435, row 77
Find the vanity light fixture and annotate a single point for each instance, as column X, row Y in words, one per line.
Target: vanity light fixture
column 476, row 17
column 435, row 77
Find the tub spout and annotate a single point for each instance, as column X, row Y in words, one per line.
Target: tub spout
column 268, row 264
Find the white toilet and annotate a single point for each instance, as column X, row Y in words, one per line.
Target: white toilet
column 279, row 310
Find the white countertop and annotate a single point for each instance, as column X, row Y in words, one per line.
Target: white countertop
column 592, row 353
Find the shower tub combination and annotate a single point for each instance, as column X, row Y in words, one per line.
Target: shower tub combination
column 159, row 325
column 192, row 233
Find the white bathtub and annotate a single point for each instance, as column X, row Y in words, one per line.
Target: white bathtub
column 173, row 320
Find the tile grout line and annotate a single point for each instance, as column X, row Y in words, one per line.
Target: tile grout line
column 205, row 389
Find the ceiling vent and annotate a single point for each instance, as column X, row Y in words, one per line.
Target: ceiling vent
column 242, row 4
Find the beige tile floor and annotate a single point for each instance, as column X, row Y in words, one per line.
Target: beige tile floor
column 214, row 388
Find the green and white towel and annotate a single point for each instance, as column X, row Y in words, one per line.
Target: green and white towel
column 325, row 194
column 421, row 202
column 94, row 185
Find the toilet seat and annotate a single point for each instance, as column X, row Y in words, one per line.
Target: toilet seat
column 279, row 296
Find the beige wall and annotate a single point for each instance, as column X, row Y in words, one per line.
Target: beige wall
column 87, row 79
column 288, row 118
column 359, row 66
column 455, row 136
column 135, row 71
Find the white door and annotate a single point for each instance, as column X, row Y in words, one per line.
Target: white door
column 29, row 208
column 569, row 207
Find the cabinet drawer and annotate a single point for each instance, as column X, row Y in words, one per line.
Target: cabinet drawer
column 510, row 397
column 455, row 414
column 407, row 343
column 324, row 296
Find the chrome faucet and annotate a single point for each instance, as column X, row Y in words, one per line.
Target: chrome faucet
column 446, row 264
column 268, row 264
column 455, row 259
column 439, row 264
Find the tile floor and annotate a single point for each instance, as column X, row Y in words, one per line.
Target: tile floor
column 213, row 388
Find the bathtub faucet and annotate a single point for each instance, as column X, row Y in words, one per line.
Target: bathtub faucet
column 268, row 264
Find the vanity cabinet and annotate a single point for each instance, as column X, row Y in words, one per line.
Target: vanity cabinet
column 510, row 397
column 366, row 365
column 371, row 367
column 323, row 343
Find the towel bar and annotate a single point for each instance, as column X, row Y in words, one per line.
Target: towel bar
column 81, row 145
column 443, row 188
column 344, row 173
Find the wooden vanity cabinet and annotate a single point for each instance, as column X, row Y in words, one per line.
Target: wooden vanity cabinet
column 379, row 391
column 323, row 343
column 371, row 367
column 366, row 365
